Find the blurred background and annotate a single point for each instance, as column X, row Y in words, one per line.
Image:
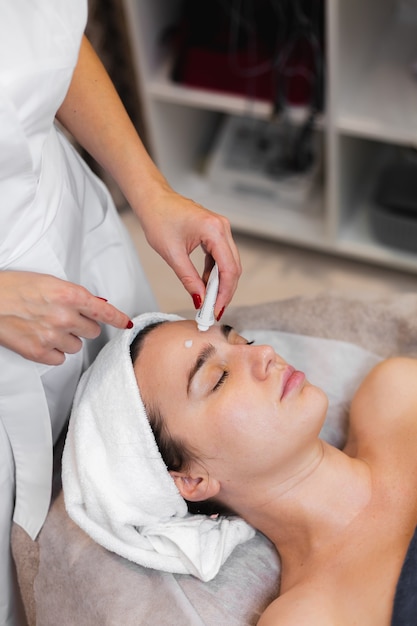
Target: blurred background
column 296, row 119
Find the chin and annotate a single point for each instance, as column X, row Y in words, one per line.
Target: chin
column 318, row 397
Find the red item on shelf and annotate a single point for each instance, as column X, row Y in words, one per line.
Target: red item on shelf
column 233, row 73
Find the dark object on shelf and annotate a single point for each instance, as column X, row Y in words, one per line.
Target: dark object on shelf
column 261, row 49
column 394, row 216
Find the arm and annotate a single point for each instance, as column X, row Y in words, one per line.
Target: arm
column 174, row 226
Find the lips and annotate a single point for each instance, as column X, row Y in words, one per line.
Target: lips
column 291, row 378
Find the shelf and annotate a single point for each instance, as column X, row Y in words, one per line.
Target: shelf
column 258, row 216
column 163, row 89
column 371, row 114
column 357, row 240
column 383, row 103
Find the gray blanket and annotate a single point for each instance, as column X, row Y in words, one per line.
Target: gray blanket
column 67, row 579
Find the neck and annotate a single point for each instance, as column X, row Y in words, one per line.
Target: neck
column 304, row 512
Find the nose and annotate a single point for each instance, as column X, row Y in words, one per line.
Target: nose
column 263, row 358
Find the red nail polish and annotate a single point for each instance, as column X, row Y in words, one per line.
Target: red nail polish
column 129, row 325
column 100, row 298
column 197, row 300
column 220, row 315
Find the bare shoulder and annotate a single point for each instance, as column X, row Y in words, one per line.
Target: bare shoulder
column 295, row 609
column 385, row 404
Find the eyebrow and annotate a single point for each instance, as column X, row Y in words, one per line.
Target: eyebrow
column 206, row 353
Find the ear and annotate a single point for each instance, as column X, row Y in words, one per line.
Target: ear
column 195, row 488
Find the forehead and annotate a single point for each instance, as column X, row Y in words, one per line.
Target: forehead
column 182, row 340
column 173, row 341
column 167, row 353
column 177, row 344
column 169, row 333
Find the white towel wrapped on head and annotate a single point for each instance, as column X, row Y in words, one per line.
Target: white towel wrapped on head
column 116, row 485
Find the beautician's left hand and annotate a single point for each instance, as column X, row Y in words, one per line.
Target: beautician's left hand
column 175, row 226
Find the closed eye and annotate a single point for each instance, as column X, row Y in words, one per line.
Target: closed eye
column 225, row 373
column 221, row 380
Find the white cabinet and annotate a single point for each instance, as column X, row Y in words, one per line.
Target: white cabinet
column 370, row 114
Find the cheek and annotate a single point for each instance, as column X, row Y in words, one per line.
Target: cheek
column 242, row 421
column 214, row 431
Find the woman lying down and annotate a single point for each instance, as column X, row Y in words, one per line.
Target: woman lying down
column 239, row 427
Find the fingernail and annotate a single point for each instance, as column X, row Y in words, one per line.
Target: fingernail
column 129, row 325
column 100, row 298
column 197, row 300
column 220, row 315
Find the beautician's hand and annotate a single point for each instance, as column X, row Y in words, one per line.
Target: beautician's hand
column 43, row 317
column 175, row 226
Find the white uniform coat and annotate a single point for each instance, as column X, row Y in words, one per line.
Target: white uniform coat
column 57, row 218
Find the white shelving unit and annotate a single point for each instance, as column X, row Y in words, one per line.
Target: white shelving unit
column 370, row 112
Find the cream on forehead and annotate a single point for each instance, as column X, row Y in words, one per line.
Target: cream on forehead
column 188, row 343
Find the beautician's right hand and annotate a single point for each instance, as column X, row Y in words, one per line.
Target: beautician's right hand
column 43, row 317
